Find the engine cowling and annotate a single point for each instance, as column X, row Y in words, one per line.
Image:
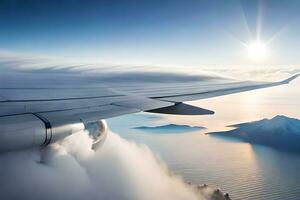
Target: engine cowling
column 21, row 131
column 30, row 130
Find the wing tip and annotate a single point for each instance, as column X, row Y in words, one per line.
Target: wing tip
column 288, row 80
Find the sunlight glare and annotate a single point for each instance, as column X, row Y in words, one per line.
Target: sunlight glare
column 257, row 51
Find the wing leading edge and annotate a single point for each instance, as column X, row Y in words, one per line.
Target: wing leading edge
column 231, row 89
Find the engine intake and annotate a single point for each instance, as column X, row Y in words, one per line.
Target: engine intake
column 98, row 131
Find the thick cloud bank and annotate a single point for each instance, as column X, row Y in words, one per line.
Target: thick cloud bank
column 18, row 72
column 71, row 170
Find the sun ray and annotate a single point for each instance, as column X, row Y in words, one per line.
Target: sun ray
column 245, row 21
column 277, row 34
column 259, row 19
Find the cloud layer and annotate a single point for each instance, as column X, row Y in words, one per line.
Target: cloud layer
column 30, row 71
column 71, row 170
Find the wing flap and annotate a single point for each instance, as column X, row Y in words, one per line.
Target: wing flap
column 143, row 103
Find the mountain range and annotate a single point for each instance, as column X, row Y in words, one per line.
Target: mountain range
column 169, row 128
column 280, row 132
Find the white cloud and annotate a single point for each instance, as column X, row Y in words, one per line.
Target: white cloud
column 71, row 170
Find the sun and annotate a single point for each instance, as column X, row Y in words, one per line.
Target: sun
column 257, row 51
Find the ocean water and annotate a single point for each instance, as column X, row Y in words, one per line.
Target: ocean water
column 244, row 170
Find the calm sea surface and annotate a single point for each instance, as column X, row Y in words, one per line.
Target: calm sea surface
column 243, row 170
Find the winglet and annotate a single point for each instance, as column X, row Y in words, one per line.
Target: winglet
column 286, row 81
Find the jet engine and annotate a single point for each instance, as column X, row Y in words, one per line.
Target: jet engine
column 97, row 131
column 32, row 130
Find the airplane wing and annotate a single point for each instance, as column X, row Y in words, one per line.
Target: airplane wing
column 90, row 104
column 40, row 114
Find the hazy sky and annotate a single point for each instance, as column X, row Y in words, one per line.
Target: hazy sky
column 168, row 32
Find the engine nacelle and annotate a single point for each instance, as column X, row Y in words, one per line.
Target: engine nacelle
column 21, row 131
column 30, row 130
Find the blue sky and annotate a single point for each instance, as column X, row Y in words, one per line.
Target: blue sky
column 169, row 32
